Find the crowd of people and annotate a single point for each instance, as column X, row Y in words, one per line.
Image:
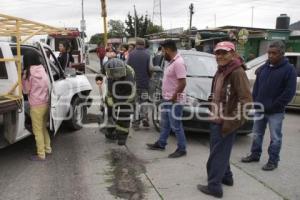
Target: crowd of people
column 128, row 72
column 274, row 88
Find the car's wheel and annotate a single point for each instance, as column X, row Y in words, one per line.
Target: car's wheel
column 78, row 111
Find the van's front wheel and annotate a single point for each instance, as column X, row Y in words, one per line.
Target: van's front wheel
column 78, row 111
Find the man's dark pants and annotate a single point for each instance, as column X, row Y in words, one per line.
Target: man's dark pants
column 218, row 166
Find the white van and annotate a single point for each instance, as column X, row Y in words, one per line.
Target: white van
column 79, row 51
column 68, row 91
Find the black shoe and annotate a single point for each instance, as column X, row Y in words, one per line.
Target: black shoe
column 178, row 153
column 269, row 166
column 205, row 190
column 145, row 124
column 111, row 135
column 227, row 181
column 122, row 139
column 250, row 158
column 155, row 146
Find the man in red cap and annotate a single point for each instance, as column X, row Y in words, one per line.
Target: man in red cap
column 230, row 94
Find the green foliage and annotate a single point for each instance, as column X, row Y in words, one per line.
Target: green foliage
column 116, row 28
column 143, row 24
column 129, row 25
column 152, row 28
column 96, row 39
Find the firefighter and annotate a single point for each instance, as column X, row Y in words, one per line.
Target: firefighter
column 120, row 98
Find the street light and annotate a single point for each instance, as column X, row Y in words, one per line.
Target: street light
column 104, row 15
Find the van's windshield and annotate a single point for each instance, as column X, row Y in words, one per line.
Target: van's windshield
column 72, row 41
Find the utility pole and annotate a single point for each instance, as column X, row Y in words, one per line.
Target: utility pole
column 157, row 12
column 104, row 15
column 191, row 14
column 82, row 22
column 135, row 20
column 252, row 16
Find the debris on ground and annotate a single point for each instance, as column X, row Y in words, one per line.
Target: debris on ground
column 125, row 176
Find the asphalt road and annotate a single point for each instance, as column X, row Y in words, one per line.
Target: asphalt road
column 80, row 167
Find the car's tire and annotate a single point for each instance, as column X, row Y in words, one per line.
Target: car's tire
column 78, row 112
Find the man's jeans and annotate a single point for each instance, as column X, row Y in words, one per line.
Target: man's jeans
column 218, row 165
column 171, row 115
column 275, row 125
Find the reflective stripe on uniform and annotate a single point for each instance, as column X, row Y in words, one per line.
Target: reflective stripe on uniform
column 110, row 101
column 120, row 128
column 131, row 70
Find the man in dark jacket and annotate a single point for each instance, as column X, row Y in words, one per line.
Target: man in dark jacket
column 139, row 60
column 274, row 88
column 230, row 97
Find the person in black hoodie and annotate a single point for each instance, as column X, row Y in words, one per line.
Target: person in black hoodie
column 274, row 88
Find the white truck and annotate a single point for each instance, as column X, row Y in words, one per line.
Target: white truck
column 68, row 91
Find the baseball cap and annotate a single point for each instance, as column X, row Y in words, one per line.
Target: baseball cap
column 227, row 46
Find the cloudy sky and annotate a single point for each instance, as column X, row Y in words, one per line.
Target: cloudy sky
column 175, row 13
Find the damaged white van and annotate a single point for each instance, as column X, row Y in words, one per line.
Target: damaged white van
column 69, row 94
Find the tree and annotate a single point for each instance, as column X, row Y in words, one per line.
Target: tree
column 97, row 38
column 129, row 25
column 116, row 28
column 152, row 28
column 143, row 24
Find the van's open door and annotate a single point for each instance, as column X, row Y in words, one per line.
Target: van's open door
column 56, row 116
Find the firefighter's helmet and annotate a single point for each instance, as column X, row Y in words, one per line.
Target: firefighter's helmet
column 115, row 68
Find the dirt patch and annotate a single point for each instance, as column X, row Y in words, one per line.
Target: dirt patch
column 125, row 179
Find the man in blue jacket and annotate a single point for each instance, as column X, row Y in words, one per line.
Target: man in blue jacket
column 274, row 88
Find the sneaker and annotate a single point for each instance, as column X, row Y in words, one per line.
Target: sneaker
column 111, row 135
column 269, row 166
column 205, row 190
column 36, row 158
column 250, row 158
column 145, row 124
column 227, row 181
column 178, row 153
column 155, row 146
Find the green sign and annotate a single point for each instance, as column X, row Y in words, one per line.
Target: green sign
column 282, row 35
